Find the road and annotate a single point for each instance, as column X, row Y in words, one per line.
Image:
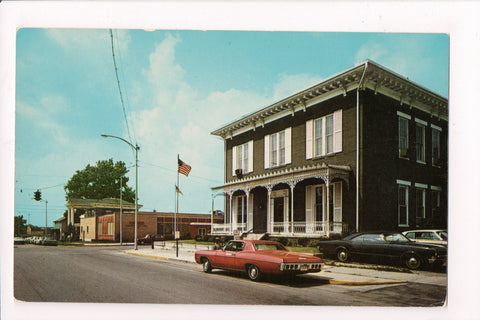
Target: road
column 106, row 274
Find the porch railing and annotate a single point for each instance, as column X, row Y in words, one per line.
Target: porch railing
column 299, row 228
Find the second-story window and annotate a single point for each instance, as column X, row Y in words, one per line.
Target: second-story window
column 420, row 140
column 324, row 135
column 278, row 148
column 242, row 158
column 436, row 145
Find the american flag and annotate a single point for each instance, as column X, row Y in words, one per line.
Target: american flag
column 178, row 190
column 183, row 168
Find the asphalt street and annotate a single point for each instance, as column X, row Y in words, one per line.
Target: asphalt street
column 107, row 274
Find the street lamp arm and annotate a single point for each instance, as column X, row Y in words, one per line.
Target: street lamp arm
column 127, row 142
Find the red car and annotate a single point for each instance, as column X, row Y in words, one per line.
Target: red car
column 257, row 257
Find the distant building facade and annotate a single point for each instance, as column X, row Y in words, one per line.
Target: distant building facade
column 365, row 149
column 99, row 220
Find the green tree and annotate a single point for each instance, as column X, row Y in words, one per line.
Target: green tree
column 20, row 227
column 100, row 181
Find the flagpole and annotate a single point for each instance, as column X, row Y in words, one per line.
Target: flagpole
column 176, row 211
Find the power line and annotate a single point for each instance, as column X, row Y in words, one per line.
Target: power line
column 119, row 88
column 126, row 87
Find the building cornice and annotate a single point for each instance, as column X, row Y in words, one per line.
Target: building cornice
column 377, row 78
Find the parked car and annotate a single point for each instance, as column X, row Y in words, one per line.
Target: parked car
column 383, row 246
column 146, row 239
column 427, row 236
column 256, row 258
column 49, row 242
column 18, row 240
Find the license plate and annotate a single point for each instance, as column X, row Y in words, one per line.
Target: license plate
column 304, row 267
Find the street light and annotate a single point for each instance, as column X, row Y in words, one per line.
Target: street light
column 136, row 148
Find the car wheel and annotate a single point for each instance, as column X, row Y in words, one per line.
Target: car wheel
column 342, row 255
column 254, row 273
column 412, row 261
column 207, row 266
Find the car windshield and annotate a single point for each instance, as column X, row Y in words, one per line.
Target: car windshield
column 443, row 234
column 269, row 246
column 396, row 237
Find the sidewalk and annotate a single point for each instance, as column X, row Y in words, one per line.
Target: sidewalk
column 337, row 275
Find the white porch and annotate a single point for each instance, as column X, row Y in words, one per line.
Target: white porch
column 323, row 203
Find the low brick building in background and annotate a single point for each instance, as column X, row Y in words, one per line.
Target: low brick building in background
column 99, row 220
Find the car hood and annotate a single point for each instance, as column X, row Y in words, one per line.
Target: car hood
column 288, row 256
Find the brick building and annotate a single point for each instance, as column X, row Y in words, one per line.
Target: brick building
column 364, row 149
column 99, row 220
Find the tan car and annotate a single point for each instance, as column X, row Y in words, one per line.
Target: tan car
column 427, row 236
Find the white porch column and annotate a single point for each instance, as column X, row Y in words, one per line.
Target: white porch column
column 230, row 194
column 68, row 216
column 292, row 186
column 327, row 185
column 269, row 210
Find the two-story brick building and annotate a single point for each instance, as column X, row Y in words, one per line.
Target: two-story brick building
column 364, row 149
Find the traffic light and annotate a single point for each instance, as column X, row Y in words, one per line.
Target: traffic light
column 37, row 195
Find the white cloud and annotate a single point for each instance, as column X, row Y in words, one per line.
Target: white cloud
column 290, row 84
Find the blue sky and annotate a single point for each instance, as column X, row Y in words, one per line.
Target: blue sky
column 178, row 86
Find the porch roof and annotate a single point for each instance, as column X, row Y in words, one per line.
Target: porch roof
column 287, row 175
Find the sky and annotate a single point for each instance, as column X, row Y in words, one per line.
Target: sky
column 177, row 87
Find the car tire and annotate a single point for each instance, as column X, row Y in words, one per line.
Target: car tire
column 207, row 266
column 412, row 261
column 343, row 255
column 254, row 273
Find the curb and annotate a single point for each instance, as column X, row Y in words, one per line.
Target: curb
column 364, row 283
column 146, row 255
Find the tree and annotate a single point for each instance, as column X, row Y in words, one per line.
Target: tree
column 100, row 181
column 20, row 227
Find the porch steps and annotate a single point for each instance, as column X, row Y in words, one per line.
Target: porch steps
column 255, row 236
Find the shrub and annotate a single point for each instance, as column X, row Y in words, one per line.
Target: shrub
column 303, row 242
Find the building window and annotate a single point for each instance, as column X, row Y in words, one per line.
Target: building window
column 435, row 201
column 99, row 228
column 278, row 148
column 402, row 137
column 435, row 147
column 324, row 135
column 319, row 203
column 403, row 205
column 420, row 140
column 110, row 228
column 242, row 158
column 202, row 231
column 420, row 203
column 240, row 203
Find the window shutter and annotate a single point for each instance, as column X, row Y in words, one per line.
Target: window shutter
column 337, row 202
column 288, row 145
column 337, row 131
column 266, row 140
column 234, row 160
column 250, row 156
column 309, row 140
column 309, row 205
column 250, row 212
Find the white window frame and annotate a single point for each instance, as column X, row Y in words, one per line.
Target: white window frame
column 316, row 133
column 421, row 158
column 278, row 152
column 406, row 185
column 436, row 155
column 423, row 189
column 405, row 141
column 242, row 157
